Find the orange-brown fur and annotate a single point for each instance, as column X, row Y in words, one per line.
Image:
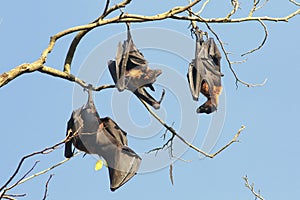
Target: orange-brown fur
column 212, row 99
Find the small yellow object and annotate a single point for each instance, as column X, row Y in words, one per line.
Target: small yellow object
column 99, row 165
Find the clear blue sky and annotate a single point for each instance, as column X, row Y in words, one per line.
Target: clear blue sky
column 35, row 107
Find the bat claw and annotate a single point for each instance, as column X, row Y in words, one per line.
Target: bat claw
column 162, row 96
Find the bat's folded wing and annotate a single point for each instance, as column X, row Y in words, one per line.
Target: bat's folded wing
column 193, row 77
column 123, row 167
column 123, row 163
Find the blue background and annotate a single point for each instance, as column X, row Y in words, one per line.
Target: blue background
column 35, row 107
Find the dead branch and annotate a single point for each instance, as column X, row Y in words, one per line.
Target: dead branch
column 185, row 141
column 237, row 20
column 47, row 150
column 124, row 18
column 236, row 6
column 46, row 186
column 228, row 60
column 294, row 2
column 262, row 43
column 12, row 196
column 251, row 188
column 167, row 144
column 203, row 7
column 82, row 33
column 46, row 170
column 171, row 174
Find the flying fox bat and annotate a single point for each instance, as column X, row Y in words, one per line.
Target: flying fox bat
column 102, row 136
column 130, row 71
column 204, row 74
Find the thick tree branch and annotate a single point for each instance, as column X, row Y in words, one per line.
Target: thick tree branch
column 82, row 33
column 172, row 13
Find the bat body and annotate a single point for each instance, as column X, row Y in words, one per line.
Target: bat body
column 204, row 73
column 130, row 71
column 102, row 136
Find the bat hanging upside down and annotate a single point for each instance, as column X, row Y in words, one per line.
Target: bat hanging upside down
column 130, row 71
column 102, row 136
column 204, row 74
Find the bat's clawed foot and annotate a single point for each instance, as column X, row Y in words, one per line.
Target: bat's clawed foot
column 206, row 108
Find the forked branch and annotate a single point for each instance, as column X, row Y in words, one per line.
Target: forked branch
column 235, row 138
column 47, row 150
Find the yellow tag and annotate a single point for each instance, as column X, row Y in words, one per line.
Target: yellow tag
column 99, row 165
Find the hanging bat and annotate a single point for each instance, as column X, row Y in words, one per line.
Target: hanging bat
column 102, row 136
column 204, row 74
column 130, row 71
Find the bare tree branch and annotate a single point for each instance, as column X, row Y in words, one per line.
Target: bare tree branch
column 171, row 174
column 229, row 62
column 11, row 196
column 251, row 188
column 82, row 33
column 203, row 7
column 238, row 20
column 185, row 141
column 236, row 6
column 262, row 43
column 46, row 187
column 47, row 170
column 47, row 150
column 294, row 2
column 124, row 18
column 24, row 176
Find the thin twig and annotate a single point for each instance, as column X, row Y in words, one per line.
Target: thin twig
column 237, row 20
column 186, row 142
column 11, row 196
column 251, row 188
column 46, row 187
column 24, row 176
column 171, row 174
column 44, row 151
column 294, row 2
column 229, row 62
column 238, row 62
column 262, row 5
column 236, row 6
column 203, row 6
column 48, row 169
column 262, row 43
column 253, row 9
column 105, row 9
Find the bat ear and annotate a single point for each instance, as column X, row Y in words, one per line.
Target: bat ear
column 125, row 166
